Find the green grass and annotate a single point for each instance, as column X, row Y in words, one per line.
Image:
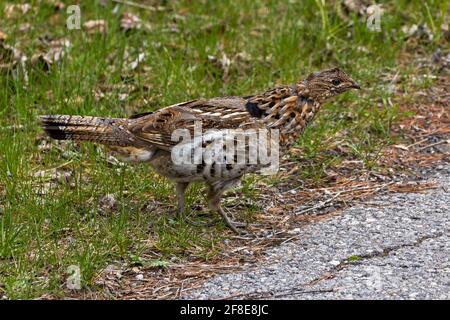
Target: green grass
column 270, row 42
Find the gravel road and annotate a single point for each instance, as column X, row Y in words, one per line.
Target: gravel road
column 395, row 246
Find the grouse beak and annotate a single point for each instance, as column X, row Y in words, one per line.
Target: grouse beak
column 355, row 85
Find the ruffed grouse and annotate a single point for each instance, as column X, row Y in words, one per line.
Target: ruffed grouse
column 148, row 137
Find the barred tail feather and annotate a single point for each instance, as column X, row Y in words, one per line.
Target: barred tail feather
column 96, row 129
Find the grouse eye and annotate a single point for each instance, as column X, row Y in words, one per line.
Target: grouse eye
column 336, row 82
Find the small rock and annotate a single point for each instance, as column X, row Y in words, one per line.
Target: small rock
column 140, row 277
column 335, row 263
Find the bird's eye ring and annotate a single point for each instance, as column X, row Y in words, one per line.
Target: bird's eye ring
column 336, row 82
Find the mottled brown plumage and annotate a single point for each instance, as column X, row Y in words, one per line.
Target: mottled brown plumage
column 148, row 137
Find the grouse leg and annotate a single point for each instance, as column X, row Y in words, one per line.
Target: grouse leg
column 181, row 189
column 215, row 192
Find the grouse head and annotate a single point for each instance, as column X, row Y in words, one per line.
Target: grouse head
column 322, row 85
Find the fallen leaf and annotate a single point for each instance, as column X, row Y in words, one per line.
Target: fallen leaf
column 9, row 54
column 44, row 145
column 3, row 36
column 53, row 174
column 56, row 52
column 96, row 26
column 15, row 10
column 401, row 146
column 59, row 5
column 132, row 22
column 275, row 210
column 446, row 31
column 134, row 64
column 357, row 7
column 12, row 59
column 132, row 59
column 76, row 100
column 420, row 32
column 374, row 9
column 47, row 180
column 225, row 63
column 24, row 27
